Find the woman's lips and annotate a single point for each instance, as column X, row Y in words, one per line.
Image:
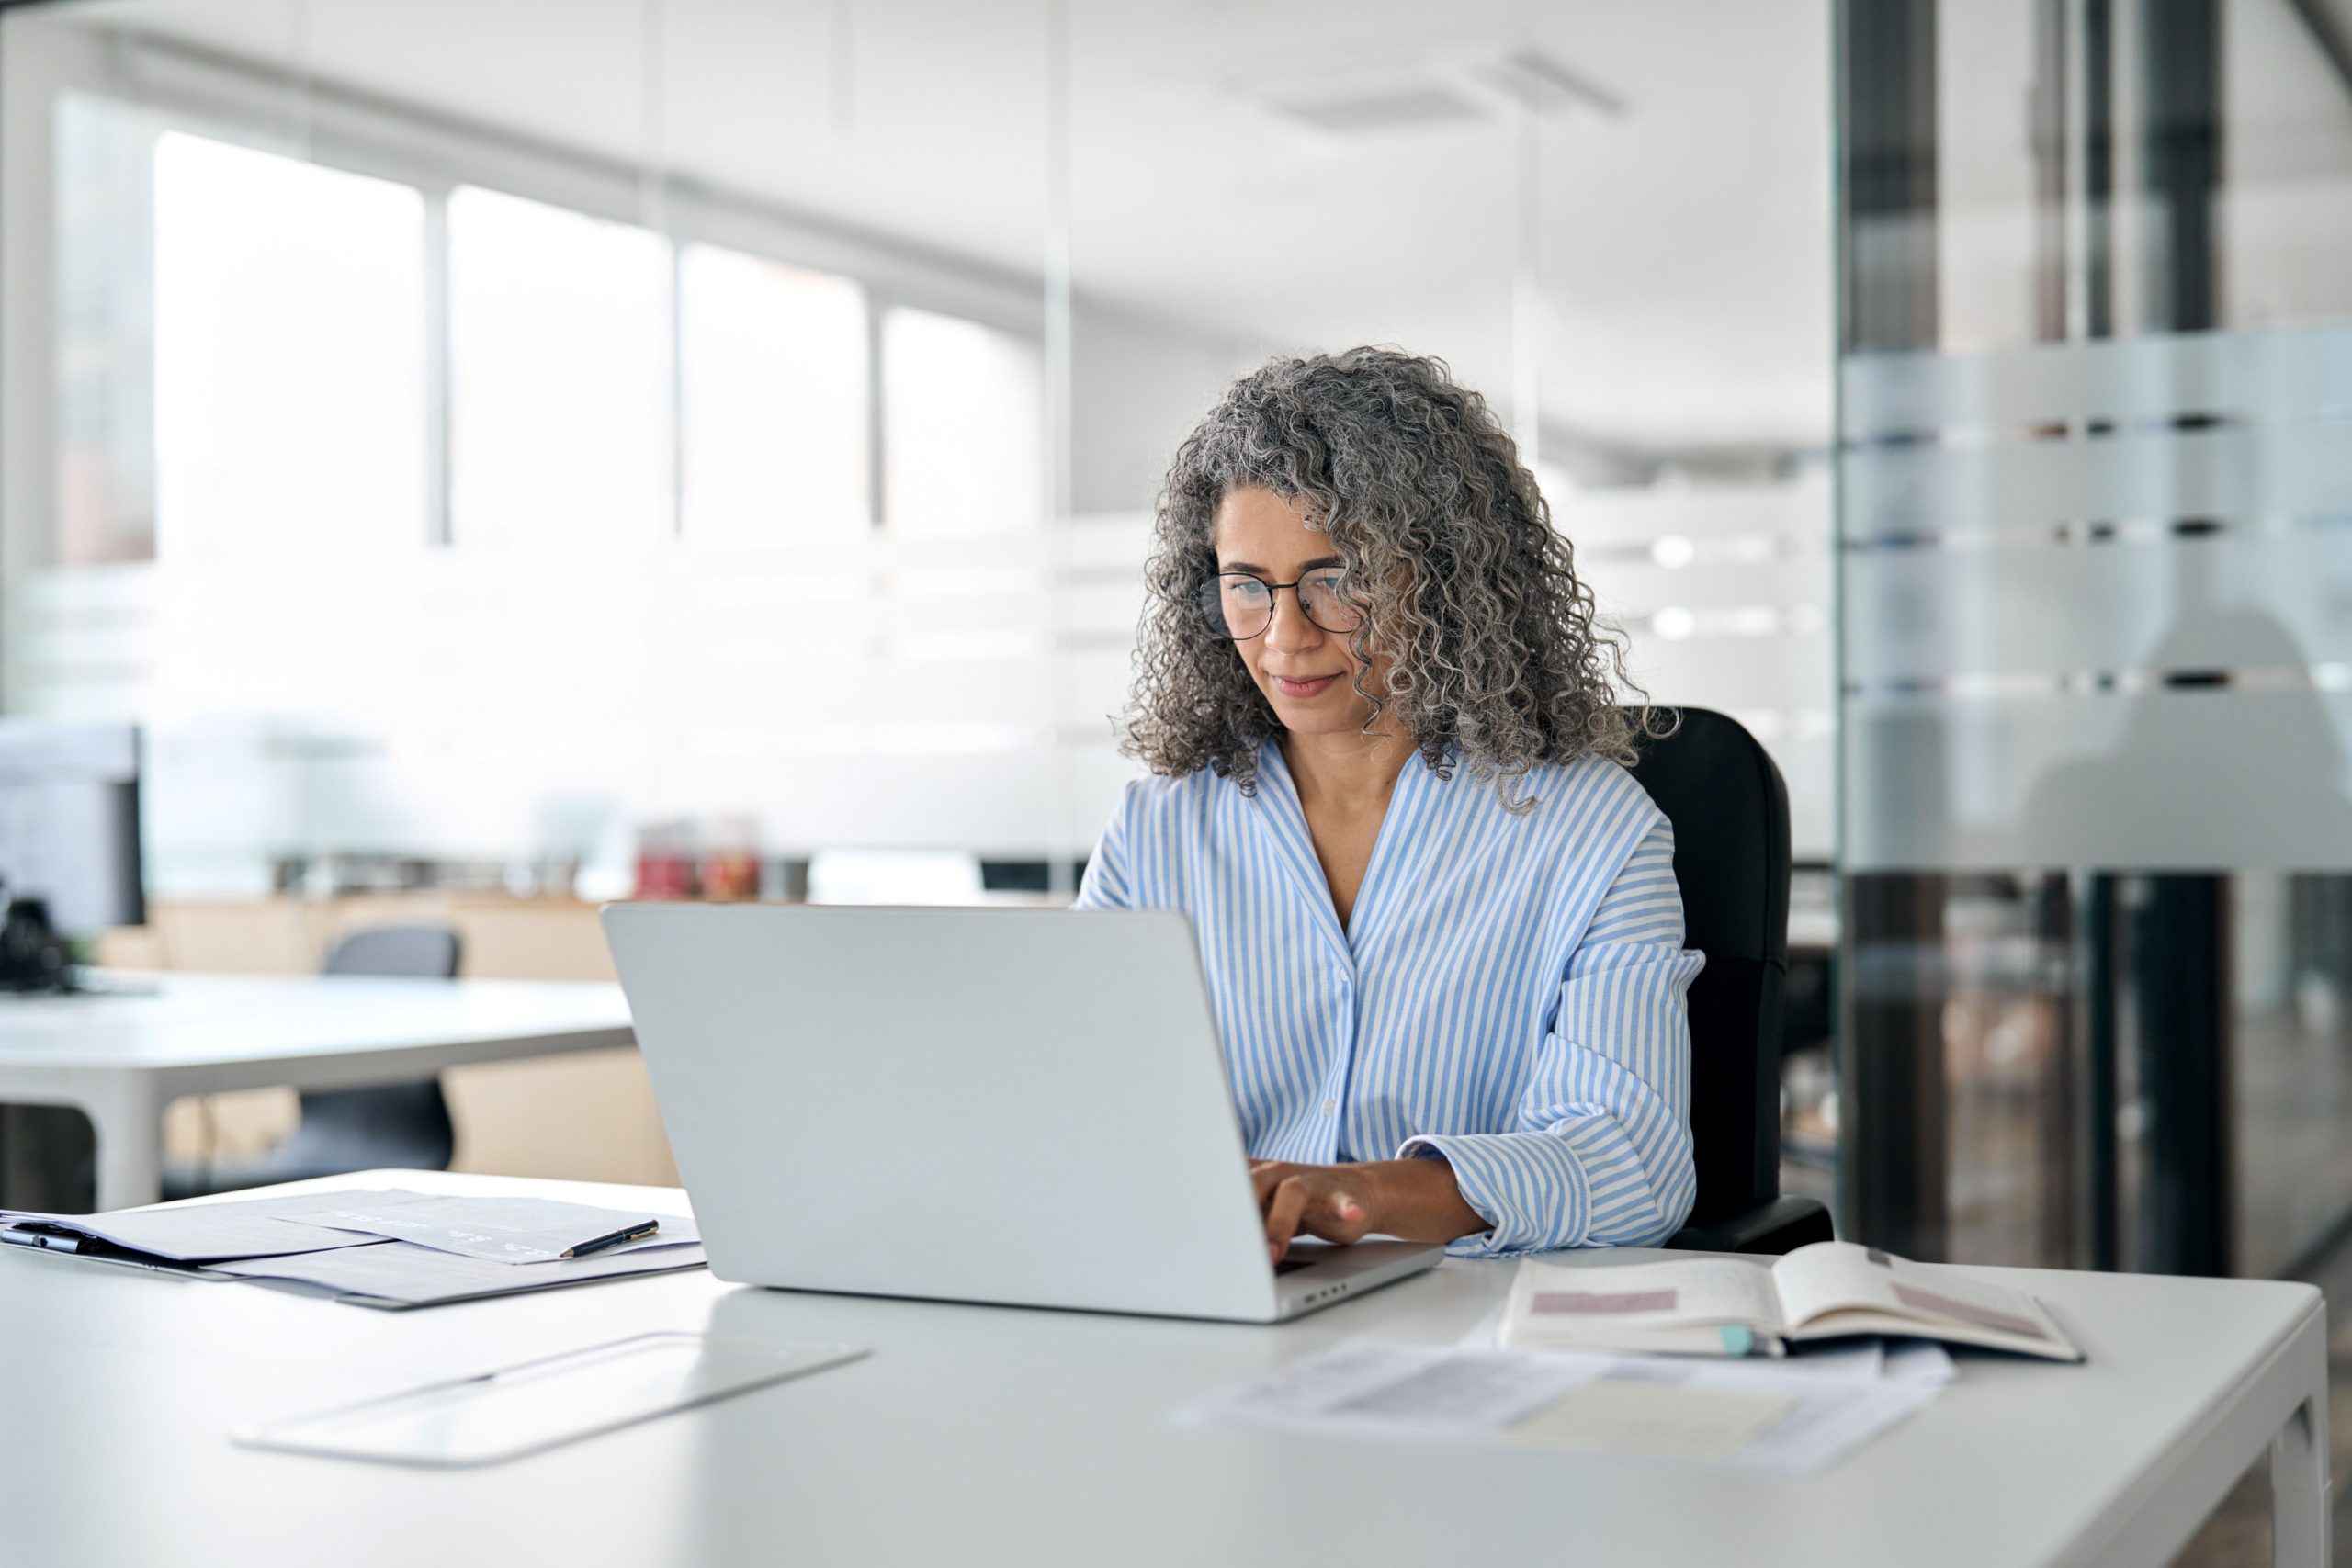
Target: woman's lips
column 1314, row 687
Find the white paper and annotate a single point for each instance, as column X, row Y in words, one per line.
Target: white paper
column 1919, row 1361
column 395, row 1272
column 203, row 1233
column 1753, row 1415
column 497, row 1230
column 1853, row 1361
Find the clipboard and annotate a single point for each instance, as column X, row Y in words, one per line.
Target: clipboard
column 534, row 1405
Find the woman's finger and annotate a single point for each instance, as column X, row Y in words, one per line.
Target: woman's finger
column 1266, row 1175
column 1283, row 1213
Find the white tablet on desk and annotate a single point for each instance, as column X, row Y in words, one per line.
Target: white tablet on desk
column 522, row 1409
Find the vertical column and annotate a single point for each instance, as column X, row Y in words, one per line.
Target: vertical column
column 2180, row 935
column 2074, row 301
column 1891, row 1181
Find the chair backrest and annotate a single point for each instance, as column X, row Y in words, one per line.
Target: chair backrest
column 420, row 952
column 1730, row 813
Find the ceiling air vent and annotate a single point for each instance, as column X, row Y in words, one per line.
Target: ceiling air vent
column 1384, row 110
column 1403, row 91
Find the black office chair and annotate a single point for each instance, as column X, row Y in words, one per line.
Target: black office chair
column 401, row 1127
column 1730, row 813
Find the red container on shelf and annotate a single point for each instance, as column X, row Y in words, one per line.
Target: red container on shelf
column 730, row 873
column 665, row 874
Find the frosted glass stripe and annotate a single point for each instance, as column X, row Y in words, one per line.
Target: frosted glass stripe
column 2219, row 602
column 2237, row 474
column 2162, row 781
column 2296, row 373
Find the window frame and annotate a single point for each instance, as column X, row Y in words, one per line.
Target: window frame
column 202, row 94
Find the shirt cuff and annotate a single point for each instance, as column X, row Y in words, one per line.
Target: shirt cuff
column 1530, row 1188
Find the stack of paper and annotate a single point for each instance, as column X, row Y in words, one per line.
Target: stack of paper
column 1780, row 1418
column 448, row 1249
column 197, row 1233
column 379, row 1249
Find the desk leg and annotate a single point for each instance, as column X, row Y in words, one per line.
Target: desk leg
column 2299, row 1513
column 129, row 1127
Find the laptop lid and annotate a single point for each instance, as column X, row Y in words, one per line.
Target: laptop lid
column 1019, row 1106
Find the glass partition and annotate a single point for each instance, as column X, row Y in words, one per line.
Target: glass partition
column 2096, row 651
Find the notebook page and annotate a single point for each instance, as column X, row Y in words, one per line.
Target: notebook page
column 1838, row 1276
column 1831, row 1275
column 1552, row 1298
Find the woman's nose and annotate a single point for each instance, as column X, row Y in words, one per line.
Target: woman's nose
column 1290, row 627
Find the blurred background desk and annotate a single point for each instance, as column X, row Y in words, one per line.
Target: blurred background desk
column 120, row 1059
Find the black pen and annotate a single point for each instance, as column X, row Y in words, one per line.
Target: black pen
column 648, row 1229
column 49, row 1241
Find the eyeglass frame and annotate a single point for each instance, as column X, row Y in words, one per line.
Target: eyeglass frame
column 1217, row 617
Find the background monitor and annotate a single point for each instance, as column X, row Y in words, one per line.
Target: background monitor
column 68, row 822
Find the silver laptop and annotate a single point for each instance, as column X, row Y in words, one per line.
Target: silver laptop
column 1019, row 1106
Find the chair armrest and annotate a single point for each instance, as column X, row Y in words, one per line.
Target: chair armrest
column 1781, row 1225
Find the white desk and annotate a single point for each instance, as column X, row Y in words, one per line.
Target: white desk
column 977, row 1435
column 122, row 1059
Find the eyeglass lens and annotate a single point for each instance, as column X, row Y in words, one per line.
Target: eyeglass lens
column 1242, row 606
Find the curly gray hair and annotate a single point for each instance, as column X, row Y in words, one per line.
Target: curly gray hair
column 1493, row 647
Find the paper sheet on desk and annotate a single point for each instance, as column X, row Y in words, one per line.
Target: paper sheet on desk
column 1750, row 1415
column 498, row 1230
column 394, row 1273
column 204, row 1232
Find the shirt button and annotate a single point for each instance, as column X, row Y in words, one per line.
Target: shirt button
column 1330, row 1108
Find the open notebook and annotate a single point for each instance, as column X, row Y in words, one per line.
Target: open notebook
column 1717, row 1306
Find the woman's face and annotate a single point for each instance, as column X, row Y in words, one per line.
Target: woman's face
column 1307, row 670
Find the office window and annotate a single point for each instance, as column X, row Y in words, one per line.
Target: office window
column 773, row 405
column 963, row 433
column 290, row 354
column 104, row 283
column 560, row 375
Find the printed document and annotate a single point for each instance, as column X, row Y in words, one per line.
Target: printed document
column 395, row 1274
column 498, row 1230
column 1753, row 1415
column 203, row 1233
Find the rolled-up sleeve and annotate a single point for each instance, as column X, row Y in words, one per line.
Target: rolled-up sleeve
column 1599, row 1153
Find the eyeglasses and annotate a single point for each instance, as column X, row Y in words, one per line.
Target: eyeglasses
column 1242, row 605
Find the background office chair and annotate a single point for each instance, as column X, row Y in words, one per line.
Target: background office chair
column 405, row 1126
column 1730, row 813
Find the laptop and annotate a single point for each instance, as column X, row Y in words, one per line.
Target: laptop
column 1025, row 1107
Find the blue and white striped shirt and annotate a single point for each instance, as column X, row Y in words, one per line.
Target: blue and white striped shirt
column 1509, row 992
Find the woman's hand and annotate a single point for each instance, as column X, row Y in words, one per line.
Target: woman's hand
column 1413, row 1200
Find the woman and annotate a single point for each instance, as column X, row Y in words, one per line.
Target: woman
column 1438, row 919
